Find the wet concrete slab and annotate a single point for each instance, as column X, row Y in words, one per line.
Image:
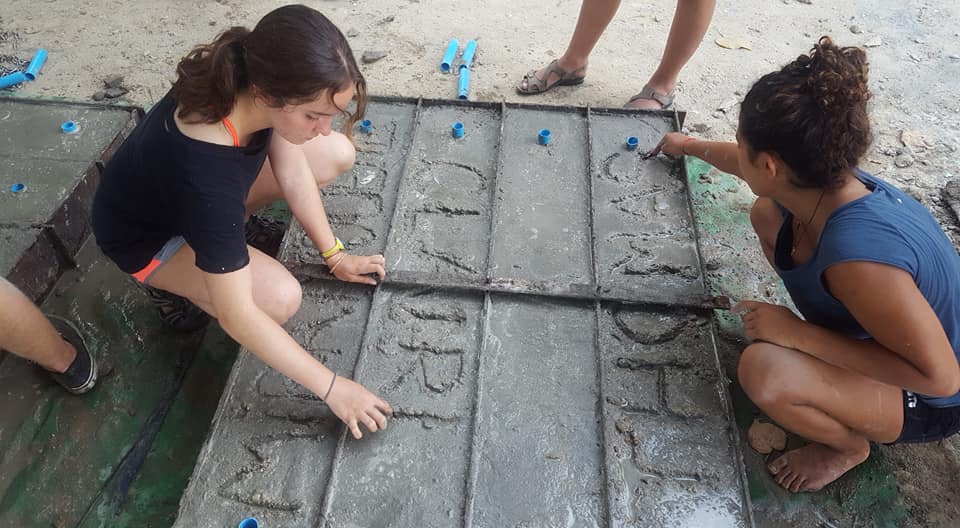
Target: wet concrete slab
column 47, row 181
column 539, row 336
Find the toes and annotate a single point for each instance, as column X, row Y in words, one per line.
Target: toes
column 777, row 465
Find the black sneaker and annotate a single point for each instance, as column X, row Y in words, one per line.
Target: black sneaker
column 175, row 311
column 265, row 234
column 81, row 375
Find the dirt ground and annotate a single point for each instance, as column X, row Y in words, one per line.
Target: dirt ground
column 913, row 47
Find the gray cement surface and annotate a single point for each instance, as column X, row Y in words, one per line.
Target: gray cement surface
column 48, row 220
column 526, row 393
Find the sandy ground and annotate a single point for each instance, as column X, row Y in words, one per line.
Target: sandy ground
column 914, row 51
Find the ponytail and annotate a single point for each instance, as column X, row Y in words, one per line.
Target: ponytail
column 211, row 76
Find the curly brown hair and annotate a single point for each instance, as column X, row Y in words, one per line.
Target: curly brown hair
column 292, row 55
column 812, row 113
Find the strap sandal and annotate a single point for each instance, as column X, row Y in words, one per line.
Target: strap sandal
column 537, row 84
column 648, row 93
column 175, row 311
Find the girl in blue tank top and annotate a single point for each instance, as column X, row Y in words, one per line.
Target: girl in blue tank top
column 875, row 355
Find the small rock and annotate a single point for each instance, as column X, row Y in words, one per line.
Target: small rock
column 903, row 161
column 808, row 2
column 913, row 139
column 699, row 128
column 372, row 56
column 212, row 23
column 855, row 29
column 113, row 93
column 99, row 95
column 873, row 43
column 765, row 437
column 954, row 56
column 352, row 33
column 113, row 81
column 387, row 20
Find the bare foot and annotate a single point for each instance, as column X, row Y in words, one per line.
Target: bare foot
column 813, row 466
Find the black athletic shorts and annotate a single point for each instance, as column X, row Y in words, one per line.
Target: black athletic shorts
column 923, row 423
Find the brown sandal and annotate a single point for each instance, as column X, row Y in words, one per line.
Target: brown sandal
column 536, row 85
column 665, row 99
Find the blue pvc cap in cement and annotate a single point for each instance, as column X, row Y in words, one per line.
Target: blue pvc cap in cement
column 249, row 522
column 632, row 142
column 544, row 137
column 366, row 126
column 457, row 129
column 69, row 127
column 17, row 187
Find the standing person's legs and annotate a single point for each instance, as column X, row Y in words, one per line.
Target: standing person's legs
column 594, row 17
column 53, row 343
column 690, row 22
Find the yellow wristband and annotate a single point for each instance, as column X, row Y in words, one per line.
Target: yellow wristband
column 337, row 248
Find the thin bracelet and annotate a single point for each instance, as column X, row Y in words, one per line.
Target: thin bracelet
column 683, row 146
column 325, row 396
column 343, row 255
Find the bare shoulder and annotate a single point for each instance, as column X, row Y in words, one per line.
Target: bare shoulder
column 207, row 132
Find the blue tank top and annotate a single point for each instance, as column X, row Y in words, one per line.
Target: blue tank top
column 889, row 227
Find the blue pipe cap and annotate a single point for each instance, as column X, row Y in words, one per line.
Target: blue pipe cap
column 18, row 188
column 366, row 126
column 69, row 127
column 457, row 129
column 632, row 142
column 544, row 137
column 249, row 522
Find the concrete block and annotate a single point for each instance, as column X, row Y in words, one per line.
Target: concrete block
column 643, row 231
column 541, row 231
column 539, row 454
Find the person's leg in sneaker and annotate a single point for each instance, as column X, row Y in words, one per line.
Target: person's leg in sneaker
column 55, row 345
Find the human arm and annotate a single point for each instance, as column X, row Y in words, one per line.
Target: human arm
column 909, row 348
column 232, row 299
column 299, row 188
column 722, row 155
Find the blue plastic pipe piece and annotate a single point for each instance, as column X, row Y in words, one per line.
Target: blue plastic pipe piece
column 17, row 188
column 69, row 127
column 464, row 87
column 457, row 130
column 366, row 126
column 12, row 79
column 249, row 522
column 36, row 63
column 468, row 54
column 632, row 142
column 449, row 55
column 544, row 137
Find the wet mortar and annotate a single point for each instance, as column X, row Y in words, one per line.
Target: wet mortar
column 539, row 335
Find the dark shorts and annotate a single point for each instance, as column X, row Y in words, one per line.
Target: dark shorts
column 162, row 256
column 923, row 423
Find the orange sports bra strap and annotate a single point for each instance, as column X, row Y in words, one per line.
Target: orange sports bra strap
column 233, row 131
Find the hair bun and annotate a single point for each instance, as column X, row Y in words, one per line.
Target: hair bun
column 837, row 76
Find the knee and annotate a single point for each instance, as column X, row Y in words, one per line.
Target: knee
column 288, row 296
column 340, row 159
column 345, row 154
column 761, row 375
